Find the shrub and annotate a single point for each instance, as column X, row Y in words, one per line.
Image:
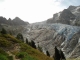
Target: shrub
column 10, row 57
column 47, row 53
column 20, row 36
column 3, row 52
column 33, row 44
column 27, row 41
column 39, row 48
column 3, row 57
column 3, row 31
column 4, row 43
column 24, row 56
column 20, row 55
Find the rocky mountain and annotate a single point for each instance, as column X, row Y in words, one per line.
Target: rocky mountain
column 70, row 16
column 18, row 21
column 62, row 30
column 15, row 21
column 14, row 26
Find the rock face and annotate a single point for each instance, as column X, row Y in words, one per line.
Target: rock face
column 69, row 16
column 62, row 30
column 48, row 36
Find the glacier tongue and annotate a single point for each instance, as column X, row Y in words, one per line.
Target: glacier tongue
column 67, row 30
column 63, row 29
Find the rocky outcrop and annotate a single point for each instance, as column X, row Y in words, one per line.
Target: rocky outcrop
column 67, row 16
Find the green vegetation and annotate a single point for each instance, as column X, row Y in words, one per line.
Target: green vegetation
column 10, row 57
column 59, row 55
column 27, row 41
column 3, row 31
column 20, row 36
column 33, row 44
column 10, row 47
column 3, row 57
column 47, row 53
column 62, row 55
column 39, row 48
column 24, row 56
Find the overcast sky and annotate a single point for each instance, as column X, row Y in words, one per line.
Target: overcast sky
column 33, row 10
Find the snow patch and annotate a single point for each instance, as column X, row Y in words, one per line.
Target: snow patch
column 62, row 44
column 58, row 14
column 76, row 10
column 79, row 40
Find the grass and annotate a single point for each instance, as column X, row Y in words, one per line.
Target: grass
column 34, row 52
column 3, row 57
column 24, row 56
column 7, row 42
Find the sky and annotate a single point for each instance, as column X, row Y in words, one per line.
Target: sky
column 33, row 10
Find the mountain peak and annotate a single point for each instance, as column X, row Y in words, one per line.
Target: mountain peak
column 71, row 7
column 17, row 19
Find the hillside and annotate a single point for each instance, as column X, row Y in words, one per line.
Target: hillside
column 10, row 47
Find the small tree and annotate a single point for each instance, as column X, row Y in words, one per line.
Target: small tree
column 62, row 55
column 47, row 53
column 20, row 36
column 30, row 44
column 27, row 41
column 57, row 55
column 39, row 48
column 3, row 31
column 33, row 44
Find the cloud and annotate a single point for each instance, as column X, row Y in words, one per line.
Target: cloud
column 33, row 10
column 70, row 2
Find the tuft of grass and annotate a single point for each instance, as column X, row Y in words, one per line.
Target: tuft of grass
column 10, row 57
column 11, row 38
column 3, row 52
column 4, row 42
column 24, row 56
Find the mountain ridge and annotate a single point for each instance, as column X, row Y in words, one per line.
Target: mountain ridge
column 15, row 21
